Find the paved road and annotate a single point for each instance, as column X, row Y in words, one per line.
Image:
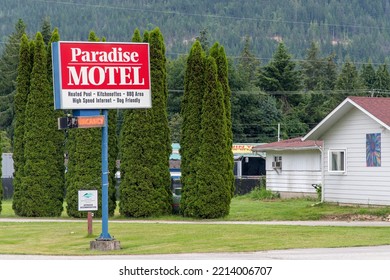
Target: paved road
column 288, row 223
column 350, row 253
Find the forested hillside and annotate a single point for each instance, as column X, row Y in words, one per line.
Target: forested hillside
column 359, row 28
column 290, row 61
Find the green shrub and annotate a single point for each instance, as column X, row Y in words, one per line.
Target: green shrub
column 261, row 193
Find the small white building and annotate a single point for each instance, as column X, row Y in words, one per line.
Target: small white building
column 293, row 166
column 356, row 164
column 354, row 155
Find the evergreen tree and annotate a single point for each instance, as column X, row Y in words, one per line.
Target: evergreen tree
column 218, row 52
column 247, row 66
column 135, row 187
column 280, row 76
column 348, row 83
column 203, row 38
column 42, row 183
column 46, row 30
column 319, row 77
column 214, row 191
column 329, row 75
column 255, row 117
column 160, row 127
column 382, row 82
column 21, row 96
column 145, row 178
column 368, row 75
column 190, row 141
column 8, row 73
column 84, row 166
column 55, row 37
column 58, row 137
column 312, row 68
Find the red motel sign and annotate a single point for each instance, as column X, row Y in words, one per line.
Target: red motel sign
column 101, row 75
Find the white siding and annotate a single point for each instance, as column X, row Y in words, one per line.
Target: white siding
column 359, row 184
column 300, row 169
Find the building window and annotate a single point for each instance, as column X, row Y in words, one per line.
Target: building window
column 337, row 161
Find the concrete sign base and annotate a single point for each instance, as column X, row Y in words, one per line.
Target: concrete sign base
column 105, row 245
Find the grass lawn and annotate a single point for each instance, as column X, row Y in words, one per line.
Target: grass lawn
column 245, row 209
column 70, row 238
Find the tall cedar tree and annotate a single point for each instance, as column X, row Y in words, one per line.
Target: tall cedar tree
column 136, row 194
column 191, row 112
column 214, row 191
column 8, row 73
column 144, row 150
column 84, row 166
column 42, row 184
column 59, row 136
column 218, row 52
column 22, row 91
column 160, row 127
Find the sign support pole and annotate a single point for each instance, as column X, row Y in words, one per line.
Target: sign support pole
column 105, row 235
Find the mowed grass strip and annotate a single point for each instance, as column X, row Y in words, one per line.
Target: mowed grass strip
column 243, row 208
column 51, row 238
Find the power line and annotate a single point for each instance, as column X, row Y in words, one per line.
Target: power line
column 304, row 92
column 209, row 15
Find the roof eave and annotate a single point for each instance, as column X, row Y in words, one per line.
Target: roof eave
column 287, row 149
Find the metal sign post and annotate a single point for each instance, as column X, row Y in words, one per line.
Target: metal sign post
column 105, row 235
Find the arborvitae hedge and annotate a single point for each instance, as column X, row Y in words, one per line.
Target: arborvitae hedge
column 214, row 192
column 58, row 136
column 144, row 160
column 160, row 128
column 206, row 138
column 22, row 90
column 84, row 166
column 218, row 52
column 42, row 183
column 191, row 111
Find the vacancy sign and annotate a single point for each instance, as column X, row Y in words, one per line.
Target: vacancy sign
column 101, row 75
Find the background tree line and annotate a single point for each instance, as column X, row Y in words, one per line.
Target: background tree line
column 359, row 28
column 296, row 94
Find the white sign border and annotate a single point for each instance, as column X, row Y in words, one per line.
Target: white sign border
column 84, row 203
column 59, row 102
